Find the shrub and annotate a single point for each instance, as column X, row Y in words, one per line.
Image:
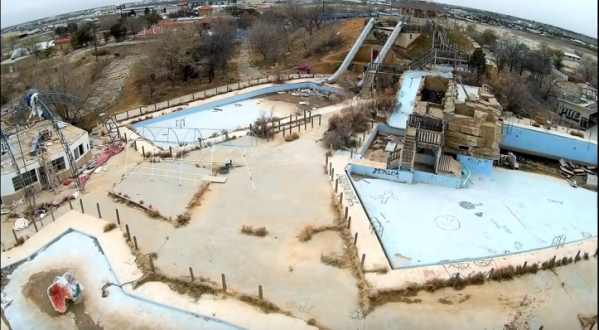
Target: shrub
column 182, row 219
column 249, row 230
column 343, row 125
column 292, row 137
column 109, row 226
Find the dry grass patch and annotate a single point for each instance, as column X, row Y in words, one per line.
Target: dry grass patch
column 308, row 231
column 378, row 270
column 148, row 210
column 577, row 133
column 250, row 230
column 182, row 219
column 334, row 260
column 109, row 226
column 197, row 196
column 292, row 137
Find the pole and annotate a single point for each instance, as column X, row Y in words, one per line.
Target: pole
column 95, row 42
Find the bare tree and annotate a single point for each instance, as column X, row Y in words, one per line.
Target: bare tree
column 31, row 44
column 509, row 51
column 587, row 70
column 217, row 46
column 264, row 124
column 173, row 55
column 266, row 40
column 134, row 24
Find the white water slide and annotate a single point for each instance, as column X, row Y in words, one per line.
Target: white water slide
column 352, row 52
column 386, row 47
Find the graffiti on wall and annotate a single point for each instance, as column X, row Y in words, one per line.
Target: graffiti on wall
column 348, row 191
column 468, row 267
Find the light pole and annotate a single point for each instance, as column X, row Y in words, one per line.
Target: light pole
column 95, row 42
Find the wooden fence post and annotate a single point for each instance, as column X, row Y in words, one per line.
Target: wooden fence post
column 224, row 282
column 118, row 217
column 128, row 232
column 260, row 293
column 355, row 238
column 81, row 204
column 191, row 273
column 99, row 213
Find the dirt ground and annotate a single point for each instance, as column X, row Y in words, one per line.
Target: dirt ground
column 133, row 94
column 530, row 39
column 313, row 100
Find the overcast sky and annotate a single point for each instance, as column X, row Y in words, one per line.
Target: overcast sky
column 576, row 15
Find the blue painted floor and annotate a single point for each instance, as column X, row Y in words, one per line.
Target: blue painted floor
column 509, row 212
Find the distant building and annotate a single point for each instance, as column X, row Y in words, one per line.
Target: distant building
column 15, row 65
column 577, row 112
column 63, row 43
column 587, row 90
column 571, row 57
column 205, row 11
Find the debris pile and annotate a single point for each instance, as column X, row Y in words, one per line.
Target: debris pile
column 473, row 127
column 579, row 175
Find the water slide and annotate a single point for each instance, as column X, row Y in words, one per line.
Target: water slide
column 386, row 47
column 352, row 52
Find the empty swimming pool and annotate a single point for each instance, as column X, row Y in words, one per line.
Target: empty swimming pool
column 508, row 212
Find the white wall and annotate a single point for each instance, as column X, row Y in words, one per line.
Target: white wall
column 6, row 185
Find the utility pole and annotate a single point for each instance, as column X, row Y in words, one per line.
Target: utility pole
column 323, row 7
column 95, row 42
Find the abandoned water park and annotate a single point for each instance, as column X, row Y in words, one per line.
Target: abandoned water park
column 299, row 201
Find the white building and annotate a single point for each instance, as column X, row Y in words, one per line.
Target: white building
column 571, row 57
column 34, row 173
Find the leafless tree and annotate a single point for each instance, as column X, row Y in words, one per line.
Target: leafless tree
column 217, row 46
column 509, row 51
column 173, row 55
column 587, row 70
column 134, row 24
column 264, row 125
column 31, row 44
column 266, row 40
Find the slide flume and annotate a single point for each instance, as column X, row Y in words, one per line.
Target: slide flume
column 386, row 47
column 352, row 52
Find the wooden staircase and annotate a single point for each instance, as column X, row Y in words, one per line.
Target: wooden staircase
column 409, row 149
column 366, row 92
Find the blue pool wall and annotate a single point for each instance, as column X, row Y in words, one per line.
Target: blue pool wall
column 405, row 176
column 476, row 165
column 548, row 144
column 238, row 98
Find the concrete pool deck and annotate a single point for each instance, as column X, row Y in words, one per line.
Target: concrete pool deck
column 368, row 243
column 119, row 256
